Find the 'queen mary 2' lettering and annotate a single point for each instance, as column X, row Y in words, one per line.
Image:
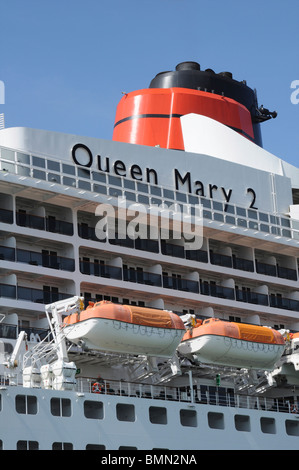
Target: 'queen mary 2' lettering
column 83, row 156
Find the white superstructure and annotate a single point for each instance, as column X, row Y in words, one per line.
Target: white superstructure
column 245, row 269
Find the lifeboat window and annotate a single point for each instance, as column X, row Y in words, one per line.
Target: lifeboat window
column 292, row 427
column 125, row 412
column 242, row 423
column 188, row 418
column 93, row 409
column 216, row 420
column 158, row 415
column 268, row 425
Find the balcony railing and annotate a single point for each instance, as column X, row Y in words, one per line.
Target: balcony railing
column 142, row 277
column 6, row 216
column 176, row 283
column 103, row 270
column 37, row 259
column 31, row 294
column 49, row 224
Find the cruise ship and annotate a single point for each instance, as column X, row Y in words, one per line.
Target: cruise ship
column 149, row 295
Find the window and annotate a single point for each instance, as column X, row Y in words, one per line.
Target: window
column 125, row 412
column 54, row 166
column 188, row 418
column 93, row 409
column 292, row 427
column 242, row 423
column 95, row 447
column 61, row 407
column 37, row 161
column 70, row 170
column 23, row 158
column 26, row 404
column 158, row 415
column 268, row 425
column 216, row 420
column 27, row 445
column 39, row 174
column 7, row 154
column 62, row 446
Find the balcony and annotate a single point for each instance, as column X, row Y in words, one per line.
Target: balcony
column 49, row 224
column 178, row 251
column 276, row 270
column 102, row 270
column 37, row 259
column 215, row 290
column 6, row 216
column 252, row 297
column 177, row 283
column 277, row 301
column 142, row 277
column 41, row 296
column 221, row 260
column 243, row 264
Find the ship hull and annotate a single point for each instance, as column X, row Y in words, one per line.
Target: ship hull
column 204, row 427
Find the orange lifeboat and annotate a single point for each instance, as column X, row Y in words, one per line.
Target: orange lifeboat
column 127, row 329
column 233, row 344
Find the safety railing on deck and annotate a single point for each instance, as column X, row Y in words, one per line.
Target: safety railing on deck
column 202, row 394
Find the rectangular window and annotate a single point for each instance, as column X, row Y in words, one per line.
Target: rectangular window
column 125, row 412
column 27, row 445
column 62, row 446
column 61, row 407
column 292, row 427
column 188, row 418
column 37, row 161
column 216, row 420
column 268, row 425
column 93, row 409
column 242, row 423
column 54, row 166
column 158, row 415
column 26, row 404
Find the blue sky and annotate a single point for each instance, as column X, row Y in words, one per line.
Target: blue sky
column 64, row 63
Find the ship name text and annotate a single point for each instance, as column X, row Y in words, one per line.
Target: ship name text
column 150, row 175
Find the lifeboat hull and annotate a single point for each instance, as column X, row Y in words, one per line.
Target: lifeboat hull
column 103, row 331
column 119, row 337
column 227, row 347
column 233, row 352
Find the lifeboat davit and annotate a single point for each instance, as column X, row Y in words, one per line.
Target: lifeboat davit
column 125, row 329
column 233, row 344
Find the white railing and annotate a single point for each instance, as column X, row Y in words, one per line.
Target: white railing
column 224, row 398
column 220, row 397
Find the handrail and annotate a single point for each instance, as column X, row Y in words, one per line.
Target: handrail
column 223, row 397
column 226, row 399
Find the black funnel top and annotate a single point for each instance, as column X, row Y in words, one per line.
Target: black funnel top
column 189, row 75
